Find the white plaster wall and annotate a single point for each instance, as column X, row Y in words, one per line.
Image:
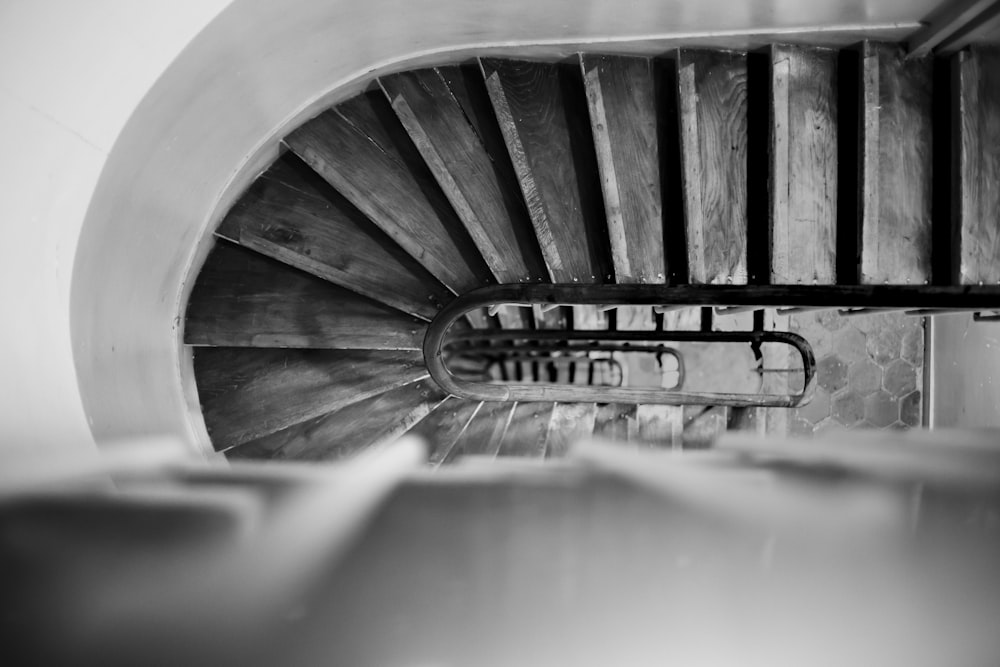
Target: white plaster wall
column 126, row 124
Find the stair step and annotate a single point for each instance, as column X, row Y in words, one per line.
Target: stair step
column 712, row 102
column 360, row 149
column 526, row 434
column 247, row 393
column 621, row 97
column 614, row 421
column 976, row 142
column 244, row 299
column 896, row 165
column 571, row 423
column 343, row 433
column 658, row 426
column 485, row 431
column 289, row 216
column 494, row 215
column 442, row 427
column 552, row 152
column 803, row 165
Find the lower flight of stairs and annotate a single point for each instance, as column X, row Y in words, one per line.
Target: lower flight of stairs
column 790, row 165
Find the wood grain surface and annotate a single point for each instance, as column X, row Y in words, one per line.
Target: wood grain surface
column 542, row 114
column 457, row 157
column 571, row 423
column 346, row 432
column 244, row 299
column 712, row 101
column 621, row 97
column 658, row 426
column 526, row 434
column 442, row 427
column 289, row 214
column 976, row 142
column 249, row 392
column 362, row 151
column 485, row 431
column 614, row 421
column 803, row 165
column 896, row 166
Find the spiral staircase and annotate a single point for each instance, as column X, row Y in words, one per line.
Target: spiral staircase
column 794, row 176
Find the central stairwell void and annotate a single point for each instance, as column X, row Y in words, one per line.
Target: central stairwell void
column 696, row 191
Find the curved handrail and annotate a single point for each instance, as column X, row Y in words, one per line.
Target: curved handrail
column 435, row 341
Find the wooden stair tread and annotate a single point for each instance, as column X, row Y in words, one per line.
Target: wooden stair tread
column 552, row 153
column 896, row 174
column 289, row 216
column 372, row 162
column 976, row 141
column 526, row 434
column 442, row 427
column 485, row 432
column 614, row 421
column 621, row 96
column 249, row 392
column 349, row 430
column 466, row 172
column 244, row 299
column 571, row 423
column 803, row 165
column 712, row 102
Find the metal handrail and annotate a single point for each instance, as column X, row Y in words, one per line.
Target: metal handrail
column 436, row 340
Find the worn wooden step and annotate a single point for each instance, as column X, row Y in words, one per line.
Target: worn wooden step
column 803, row 165
column 976, row 146
column 614, row 421
column 362, row 151
column 658, row 426
column 442, row 427
column 244, row 299
column 570, row 423
column 345, row 432
column 621, row 97
column 291, row 215
column 485, row 432
column 896, row 165
column 712, row 103
column 476, row 185
column 541, row 109
column 246, row 393
column 527, row 431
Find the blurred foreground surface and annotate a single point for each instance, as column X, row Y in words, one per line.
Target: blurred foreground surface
column 858, row 549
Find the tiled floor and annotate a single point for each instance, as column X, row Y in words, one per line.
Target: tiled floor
column 869, row 371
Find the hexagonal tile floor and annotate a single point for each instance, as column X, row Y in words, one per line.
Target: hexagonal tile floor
column 869, row 371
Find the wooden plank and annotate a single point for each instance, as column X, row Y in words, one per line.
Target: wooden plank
column 346, row 432
column 550, row 147
column 976, row 143
column 292, row 216
column 485, row 431
column 466, row 172
column 613, row 421
column 712, row 101
column 529, row 426
column 895, row 150
column 621, row 96
column 243, row 299
column 442, row 427
column 803, row 165
column 360, row 149
column 571, row 423
column 658, row 426
column 246, row 393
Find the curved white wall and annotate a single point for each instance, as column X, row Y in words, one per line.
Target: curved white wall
column 129, row 125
